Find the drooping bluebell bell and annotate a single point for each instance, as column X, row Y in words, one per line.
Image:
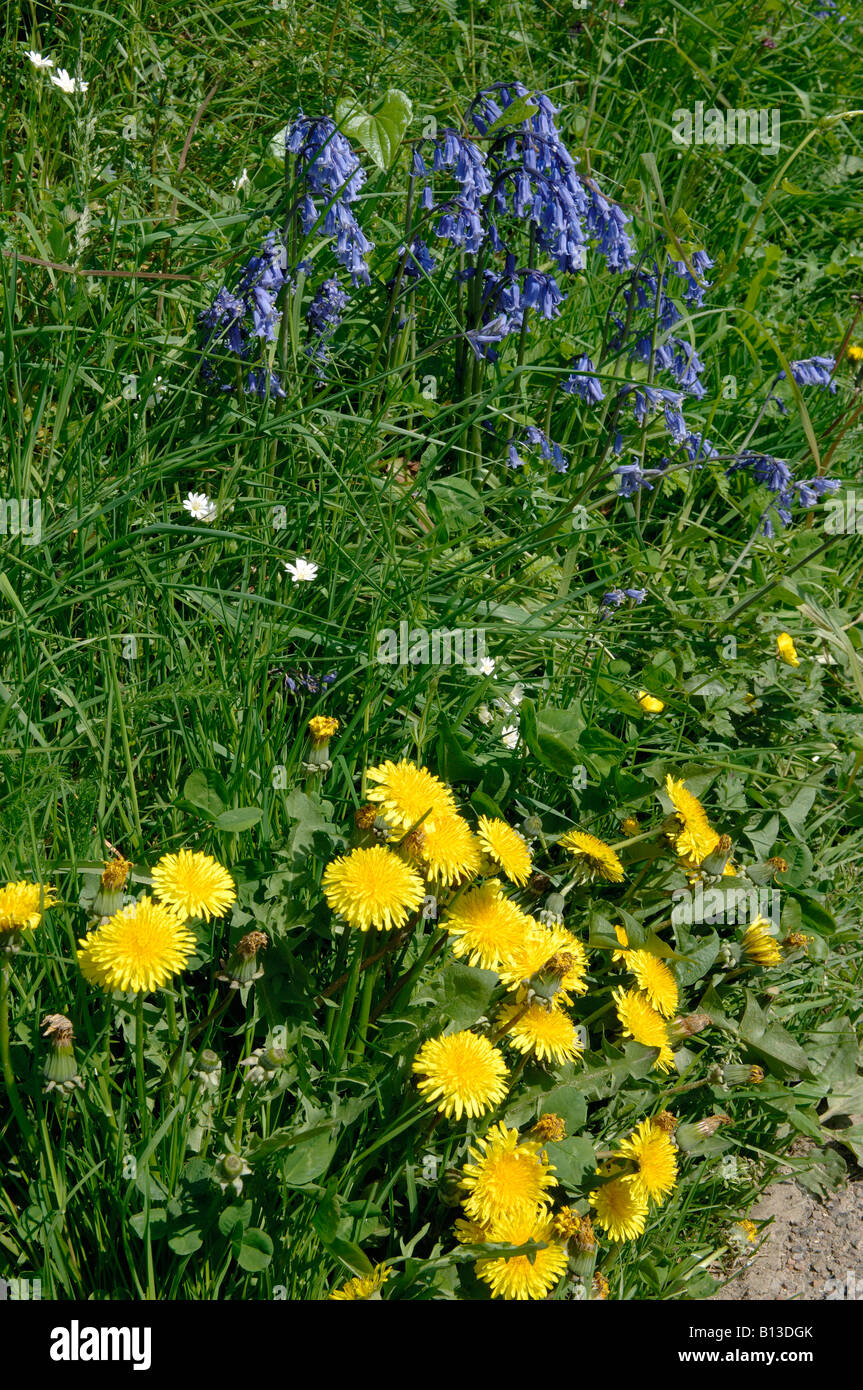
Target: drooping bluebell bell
column 633, row 478
column 787, row 492
column 696, row 284
column 637, row 595
column 237, row 318
column 535, row 438
column 323, row 316
column 583, row 381
column 331, row 172
column 814, row 371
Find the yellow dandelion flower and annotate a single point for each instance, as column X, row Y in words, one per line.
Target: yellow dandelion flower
column 115, row 874
column 535, row 948
column 567, row 1223
column 786, row 649
column 470, row 1232
column 572, row 981
column 505, row 1176
column 193, row 884
column 649, row 703
column 138, row 949
column 696, row 839
column 487, row 926
column 547, row 1033
column 621, row 955
column 406, row 792
column 505, row 847
column 464, row 1072
column 323, row 727
column 372, row 888
column 449, row 850
column 620, row 1208
column 653, row 1153
column 365, row 1286
column 655, row 979
column 640, row 1021
column 759, row 944
column 630, row 825
column 22, row 905
column 854, row 352
column 522, row 1277
column 594, row 858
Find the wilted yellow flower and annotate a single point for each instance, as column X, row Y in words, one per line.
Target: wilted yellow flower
column 372, row 888
column 505, row 1176
column 593, row 857
column 630, row 825
column 464, row 1072
column 193, row 884
column 522, row 1277
column 505, row 847
column 786, row 649
column 649, row 703
column 549, row 1128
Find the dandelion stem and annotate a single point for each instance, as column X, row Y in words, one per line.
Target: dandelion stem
column 8, row 1074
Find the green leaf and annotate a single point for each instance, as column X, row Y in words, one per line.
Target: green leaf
column 467, row 992
column 381, row 131
column 206, row 791
column 572, row 1158
column 695, row 957
column 240, row 818
column 233, row 1216
column 454, row 504
column 186, row 1242
column 252, row 1249
column 518, row 111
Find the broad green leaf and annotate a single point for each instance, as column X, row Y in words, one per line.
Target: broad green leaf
column 253, row 1249
column 206, row 790
column 381, row 131
column 240, row 818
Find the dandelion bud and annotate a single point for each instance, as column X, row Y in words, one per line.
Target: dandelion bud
column 549, row 1129
column 243, row 967
column 552, row 913
column 450, row 1189
column 691, row 1136
column 321, row 730
column 531, row 827
column 716, row 1075
column 716, row 861
column 686, row 1027
column 760, row 945
column 766, row 870
column 208, row 1069
column 60, row 1070
column 230, row 1171
column 546, row 983
column 263, row 1064
column 112, row 884
column 539, row 883
column 742, row 1074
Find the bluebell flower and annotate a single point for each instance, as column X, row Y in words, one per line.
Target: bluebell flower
column 696, row 285
column 814, row 371
column 637, row 595
column 235, row 319
column 632, row 478
column 535, row 438
column 583, row 382
column 332, row 173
